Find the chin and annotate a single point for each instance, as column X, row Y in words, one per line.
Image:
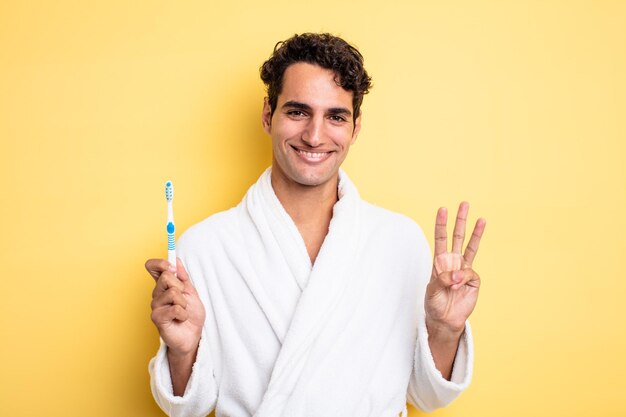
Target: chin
column 315, row 180
column 308, row 178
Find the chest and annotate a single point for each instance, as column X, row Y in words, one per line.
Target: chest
column 313, row 236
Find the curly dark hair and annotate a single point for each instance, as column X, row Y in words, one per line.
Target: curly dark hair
column 325, row 50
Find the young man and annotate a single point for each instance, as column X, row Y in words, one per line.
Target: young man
column 307, row 300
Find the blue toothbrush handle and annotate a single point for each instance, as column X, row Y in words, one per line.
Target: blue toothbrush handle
column 171, row 244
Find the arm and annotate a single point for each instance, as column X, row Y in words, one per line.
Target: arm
column 443, row 347
column 181, row 373
column 180, row 369
column 444, row 352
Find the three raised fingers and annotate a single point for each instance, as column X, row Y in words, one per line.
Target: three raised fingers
column 441, row 236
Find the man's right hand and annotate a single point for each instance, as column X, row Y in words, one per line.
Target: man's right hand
column 177, row 310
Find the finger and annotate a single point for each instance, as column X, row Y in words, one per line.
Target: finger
column 172, row 296
column 467, row 277
column 447, row 278
column 156, row 266
column 167, row 314
column 441, row 236
column 456, row 279
column 459, row 228
column 472, row 246
column 166, row 281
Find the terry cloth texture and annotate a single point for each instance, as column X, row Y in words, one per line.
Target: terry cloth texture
column 343, row 337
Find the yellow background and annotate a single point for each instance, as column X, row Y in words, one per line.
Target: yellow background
column 516, row 107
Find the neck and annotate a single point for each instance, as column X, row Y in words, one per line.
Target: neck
column 305, row 204
column 310, row 208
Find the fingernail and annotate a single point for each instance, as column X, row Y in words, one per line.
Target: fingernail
column 172, row 268
column 456, row 276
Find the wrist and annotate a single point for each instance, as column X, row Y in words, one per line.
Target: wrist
column 442, row 333
column 182, row 356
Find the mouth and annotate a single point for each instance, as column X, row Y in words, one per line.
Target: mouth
column 312, row 157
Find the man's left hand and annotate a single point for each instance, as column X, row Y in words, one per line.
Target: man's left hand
column 452, row 292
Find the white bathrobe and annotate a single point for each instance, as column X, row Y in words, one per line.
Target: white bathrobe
column 343, row 337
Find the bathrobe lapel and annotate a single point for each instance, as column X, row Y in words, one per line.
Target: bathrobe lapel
column 324, row 286
column 278, row 266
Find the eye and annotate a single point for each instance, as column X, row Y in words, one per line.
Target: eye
column 296, row 114
column 337, row 118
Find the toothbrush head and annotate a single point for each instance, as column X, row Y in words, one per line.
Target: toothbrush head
column 169, row 191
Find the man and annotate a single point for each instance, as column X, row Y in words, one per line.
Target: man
column 306, row 300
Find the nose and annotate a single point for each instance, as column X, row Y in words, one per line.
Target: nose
column 312, row 134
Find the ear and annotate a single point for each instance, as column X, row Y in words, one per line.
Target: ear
column 357, row 128
column 266, row 116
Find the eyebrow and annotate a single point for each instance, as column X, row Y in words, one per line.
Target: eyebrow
column 292, row 104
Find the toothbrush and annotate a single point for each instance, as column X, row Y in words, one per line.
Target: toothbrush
column 171, row 239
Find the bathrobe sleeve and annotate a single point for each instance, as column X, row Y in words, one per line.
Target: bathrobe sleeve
column 428, row 389
column 201, row 392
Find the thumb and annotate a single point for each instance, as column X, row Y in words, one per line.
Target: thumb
column 181, row 272
column 182, row 275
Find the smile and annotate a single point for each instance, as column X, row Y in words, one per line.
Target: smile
column 312, row 156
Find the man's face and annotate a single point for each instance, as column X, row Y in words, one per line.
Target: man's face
column 312, row 127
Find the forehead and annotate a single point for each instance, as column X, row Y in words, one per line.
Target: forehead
column 313, row 85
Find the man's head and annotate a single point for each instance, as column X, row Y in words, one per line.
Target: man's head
column 325, row 50
column 315, row 86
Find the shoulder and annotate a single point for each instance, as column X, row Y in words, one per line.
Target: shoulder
column 398, row 236
column 213, row 228
column 391, row 222
column 395, row 228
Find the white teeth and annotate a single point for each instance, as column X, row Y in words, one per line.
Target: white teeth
column 312, row 154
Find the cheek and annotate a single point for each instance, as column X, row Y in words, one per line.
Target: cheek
column 285, row 131
column 343, row 136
